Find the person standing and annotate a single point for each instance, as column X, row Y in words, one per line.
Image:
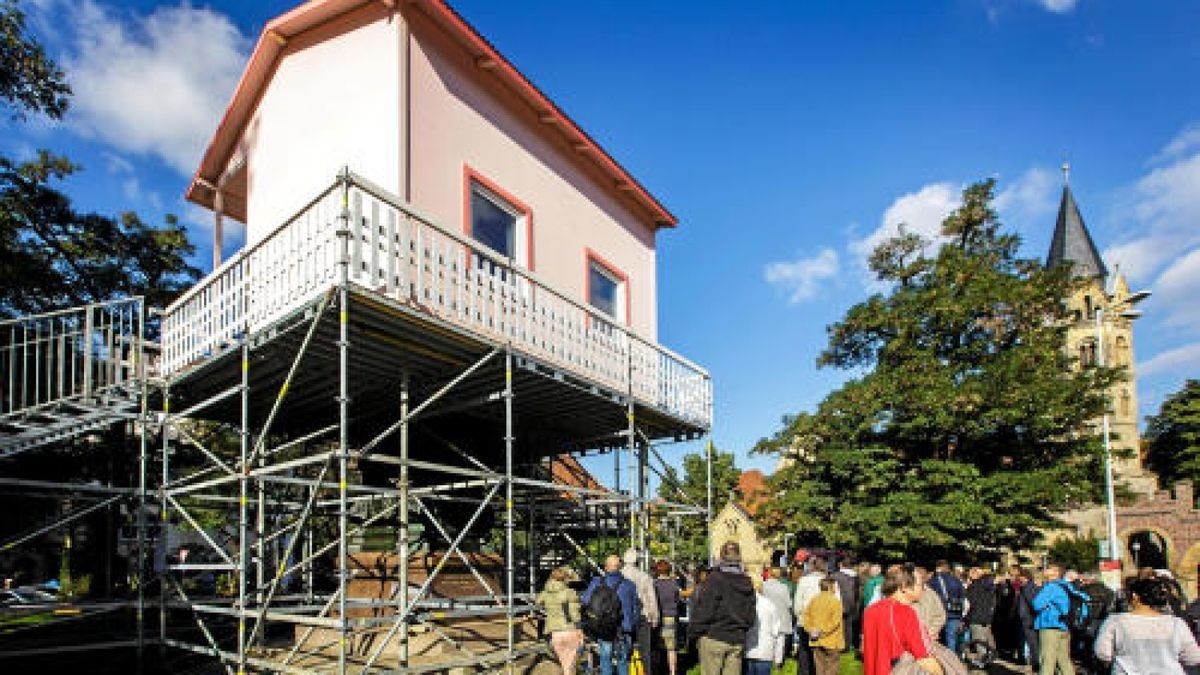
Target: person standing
column 777, row 592
column 952, row 594
column 825, row 619
column 871, row 594
column 561, row 604
column 807, row 588
column 1052, row 604
column 849, row 589
column 615, row 641
column 981, row 607
column 648, row 621
column 666, row 591
column 891, row 628
column 928, row 606
column 764, row 636
column 1147, row 640
column 725, row 611
column 1031, row 585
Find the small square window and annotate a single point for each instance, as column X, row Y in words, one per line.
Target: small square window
column 500, row 223
column 603, row 290
column 606, row 290
column 492, row 224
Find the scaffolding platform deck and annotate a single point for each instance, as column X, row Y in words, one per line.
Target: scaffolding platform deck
column 557, row 410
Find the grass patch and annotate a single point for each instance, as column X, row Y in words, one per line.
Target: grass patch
column 11, row 622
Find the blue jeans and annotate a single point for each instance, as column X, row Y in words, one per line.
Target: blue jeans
column 950, row 632
column 618, row 649
column 756, row 667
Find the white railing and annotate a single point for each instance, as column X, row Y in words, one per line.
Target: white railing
column 69, row 355
column 396, row 251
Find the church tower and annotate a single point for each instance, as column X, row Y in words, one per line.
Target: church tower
column 1101, row 331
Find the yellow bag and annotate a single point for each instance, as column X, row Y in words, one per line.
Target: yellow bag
column 636, row 667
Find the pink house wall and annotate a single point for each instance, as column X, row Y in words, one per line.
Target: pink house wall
column 460, row 117
column 336, row 100
column 333, row 102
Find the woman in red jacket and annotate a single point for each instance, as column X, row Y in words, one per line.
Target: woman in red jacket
column 891, row 627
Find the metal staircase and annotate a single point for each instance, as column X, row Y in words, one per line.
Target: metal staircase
column 70, row 372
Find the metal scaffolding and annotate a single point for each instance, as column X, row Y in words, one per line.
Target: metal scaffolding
column 292, row 447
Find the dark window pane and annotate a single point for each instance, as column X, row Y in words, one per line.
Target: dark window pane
column 492, row 225
column 602, row 291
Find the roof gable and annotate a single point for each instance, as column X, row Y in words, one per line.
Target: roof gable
column 279, row 31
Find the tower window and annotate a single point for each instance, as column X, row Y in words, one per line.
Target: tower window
column 1088, row 310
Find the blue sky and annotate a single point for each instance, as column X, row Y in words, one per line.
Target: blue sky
column 785, row 136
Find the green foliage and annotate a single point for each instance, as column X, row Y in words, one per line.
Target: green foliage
column 55, row 256
column 692, row 490
column 1078, row 553
column 965, row 427
column 1173, row 436
column 29, row 80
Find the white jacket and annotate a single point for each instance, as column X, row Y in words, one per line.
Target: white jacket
column 645, row 590
column 807, row 588
column 768, row 627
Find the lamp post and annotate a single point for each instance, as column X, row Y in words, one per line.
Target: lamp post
column 1135, row 547
column 786, row 550
column 1108, row 464
column 1110, row 501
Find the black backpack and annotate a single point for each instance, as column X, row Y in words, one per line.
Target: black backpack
column 1076, row 617
column 601, row 616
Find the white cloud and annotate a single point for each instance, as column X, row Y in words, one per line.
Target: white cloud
column 152, row 85
column 1178, row 360
column 1026, row 203
column 1057, row 6
column 920, row 212
column 1184, row 143
column 1176, row 290
column 801, row 278
column 1161, row 211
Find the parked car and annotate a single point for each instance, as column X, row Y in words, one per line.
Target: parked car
column 25, row 597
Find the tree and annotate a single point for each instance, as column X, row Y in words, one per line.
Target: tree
column 29, row 80
column 692, row 490
column 969, row 425
column 1173, row 436
column 52, row 256
column 1076, row 553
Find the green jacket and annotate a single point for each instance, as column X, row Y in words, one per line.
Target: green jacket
column 561, row 604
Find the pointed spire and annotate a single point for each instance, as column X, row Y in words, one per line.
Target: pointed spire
column 1072, row 242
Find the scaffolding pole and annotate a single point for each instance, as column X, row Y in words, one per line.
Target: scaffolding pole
column 510, row 572
column 343, row 237
column 403, row 544
column 243, row 526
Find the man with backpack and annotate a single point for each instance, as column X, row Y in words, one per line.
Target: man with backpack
column 611, row 611
column 953, row 596
column 1060, row 609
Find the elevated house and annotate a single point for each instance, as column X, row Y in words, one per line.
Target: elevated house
column 446, row 297
column 447, row 292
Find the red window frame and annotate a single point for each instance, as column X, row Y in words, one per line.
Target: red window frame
column 471, row 176
column 591, row 257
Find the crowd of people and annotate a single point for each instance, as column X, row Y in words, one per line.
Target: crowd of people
column 902, row 620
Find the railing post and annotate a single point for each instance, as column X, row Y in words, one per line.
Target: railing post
column 88, row 327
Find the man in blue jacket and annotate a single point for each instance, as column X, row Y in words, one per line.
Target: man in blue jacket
column 631, row 611
column 1054, row 636
column 952, row 594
